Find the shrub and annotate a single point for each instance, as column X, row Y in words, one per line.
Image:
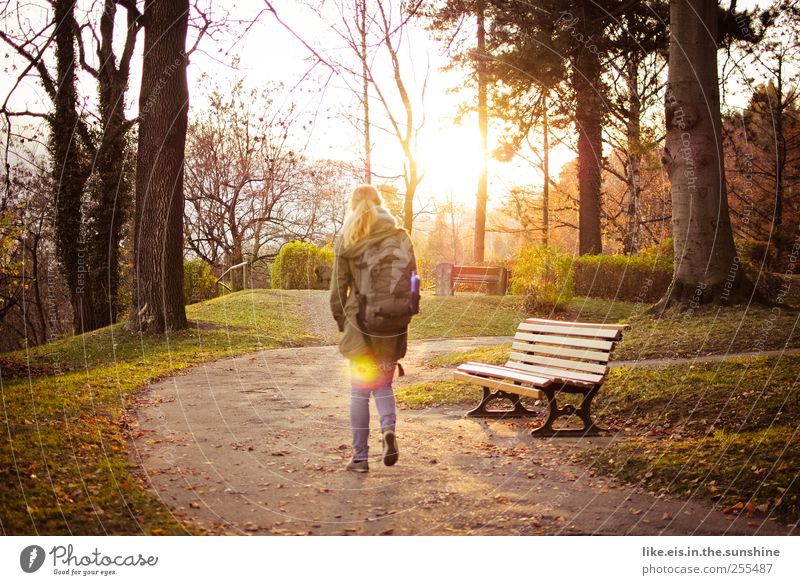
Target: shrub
column 294, row 266
column 759, row 259
column 426, row 271
column 643, row 278
column 756, row 255
column 544, row 276
column 199, row 283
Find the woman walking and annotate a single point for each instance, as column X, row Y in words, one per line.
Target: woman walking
column 373, row 296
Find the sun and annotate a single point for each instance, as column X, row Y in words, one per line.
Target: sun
column 450, row 158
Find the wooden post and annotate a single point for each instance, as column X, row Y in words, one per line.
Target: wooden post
column 444, row 280
column 502, row 283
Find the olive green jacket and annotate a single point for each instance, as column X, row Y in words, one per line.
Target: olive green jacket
column 344, row 301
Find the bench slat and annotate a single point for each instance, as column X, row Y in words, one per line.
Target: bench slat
column 570, row 341
column 479, row 270
column 501, row 372
column 498, row 384
column 559, row 374
column 570, row 330
column 618, row 326
column 476, row 278
column 551, row 361
column 584, row 354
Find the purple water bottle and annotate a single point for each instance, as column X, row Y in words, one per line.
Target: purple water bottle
column 414, row 293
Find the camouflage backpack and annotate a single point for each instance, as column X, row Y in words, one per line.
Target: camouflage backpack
column 385, row 300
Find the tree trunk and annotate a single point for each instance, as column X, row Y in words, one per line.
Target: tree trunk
column 236, row 276
column 588, row 116
column 114, row 197
column 158, row 232
column 706, row 267
column 408, row 201
column 362, row 31
column 633, row 170
column 483, row 121
column 780, row 161
column 33, row 246
column 70, row 171
column 546, row 169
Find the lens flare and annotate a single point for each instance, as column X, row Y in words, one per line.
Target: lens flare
column 366, row 373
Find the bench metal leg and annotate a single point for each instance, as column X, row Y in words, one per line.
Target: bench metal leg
column 584, row 412
column 519, row 409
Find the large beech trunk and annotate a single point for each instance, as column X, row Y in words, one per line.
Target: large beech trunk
column 483, row 122
column 588, row 117
column 706, row 267
column 158, row 231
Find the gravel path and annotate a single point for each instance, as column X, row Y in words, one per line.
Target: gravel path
column 257, row 444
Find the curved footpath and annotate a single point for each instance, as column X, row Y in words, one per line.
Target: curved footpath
column 257, row 444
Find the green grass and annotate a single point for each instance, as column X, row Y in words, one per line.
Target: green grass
column 751, row 472
column 708, row 331
column 428, row 394
column 488, row 354
column 65, row 466
column 477, row 314
column 726, row 431
column 734, row 395
column 466, row 315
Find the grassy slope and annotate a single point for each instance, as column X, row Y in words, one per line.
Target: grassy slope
column 64, row 467
column 709, row 331
column 472, row 314
column 726, row 431
column 466, row 314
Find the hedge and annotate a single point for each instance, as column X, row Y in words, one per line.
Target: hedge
column 643, row 279
column 294, row 266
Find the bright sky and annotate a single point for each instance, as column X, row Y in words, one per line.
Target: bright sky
column 448, row 152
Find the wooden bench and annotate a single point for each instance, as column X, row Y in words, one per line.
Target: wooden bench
column 496, row 278
column 547, row 357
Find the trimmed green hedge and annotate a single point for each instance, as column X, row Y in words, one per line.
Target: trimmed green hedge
column 643, row 279
column 294, row 266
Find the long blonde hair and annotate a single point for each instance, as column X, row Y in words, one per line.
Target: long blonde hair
column 362, row 213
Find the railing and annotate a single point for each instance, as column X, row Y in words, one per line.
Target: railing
column 243, row 266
